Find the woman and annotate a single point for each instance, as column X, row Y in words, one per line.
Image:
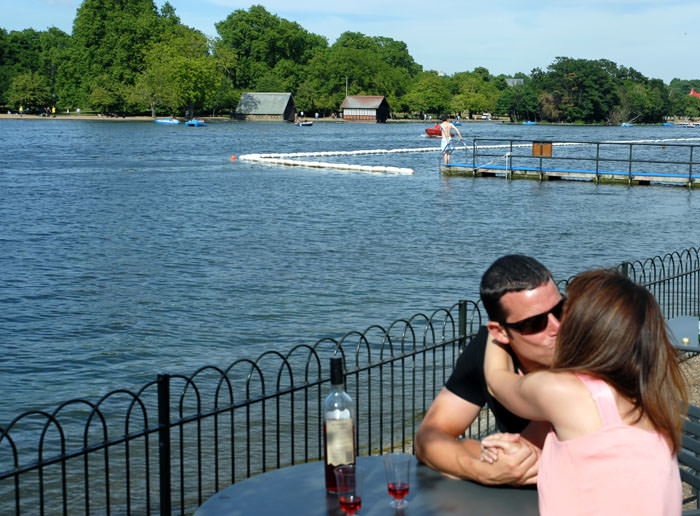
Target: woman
column 615, row 397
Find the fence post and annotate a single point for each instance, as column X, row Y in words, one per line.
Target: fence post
column 690, row 168
column 462, row 323
column 164, row 443
column 624, row 269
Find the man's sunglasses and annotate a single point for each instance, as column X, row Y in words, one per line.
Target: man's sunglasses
column 536, row 323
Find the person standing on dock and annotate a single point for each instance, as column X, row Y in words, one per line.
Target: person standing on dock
column 446, row 128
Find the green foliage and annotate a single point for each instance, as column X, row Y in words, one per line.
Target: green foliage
column 429, row 94
column 179, row 73
column 109, row 39
column 126, row 55
column 475, row 92
column 520, row 102
column 582, row 89
column 29, row 90
column 29, row 51
column 260, row 40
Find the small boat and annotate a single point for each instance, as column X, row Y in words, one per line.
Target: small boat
column 195, row 123
column 167, row 121
column 456, row 122
column 433, row 131
column 668, row 124
column 306, row 123
column 626, row 124
column 529, row 122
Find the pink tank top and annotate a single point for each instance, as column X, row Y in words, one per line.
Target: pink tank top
column 617, row 470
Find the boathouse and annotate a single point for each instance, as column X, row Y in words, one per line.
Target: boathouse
column 365, row 108
column 266, row 106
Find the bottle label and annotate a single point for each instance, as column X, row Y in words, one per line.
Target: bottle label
column 340, row 442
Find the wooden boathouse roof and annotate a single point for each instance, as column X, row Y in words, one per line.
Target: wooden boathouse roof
column 266, row 105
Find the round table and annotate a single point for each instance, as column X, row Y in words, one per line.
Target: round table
column 300, row 490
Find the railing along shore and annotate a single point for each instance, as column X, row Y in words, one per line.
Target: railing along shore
column 167, row 447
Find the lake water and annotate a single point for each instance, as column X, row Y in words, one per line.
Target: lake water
column 128, row 248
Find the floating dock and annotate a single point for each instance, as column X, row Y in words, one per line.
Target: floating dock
column 673, row 162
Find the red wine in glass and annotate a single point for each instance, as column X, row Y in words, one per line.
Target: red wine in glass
column 397, row 467
column 350, row 504
column 398, row 490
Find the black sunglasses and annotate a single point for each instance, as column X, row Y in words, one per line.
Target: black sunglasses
column 536, row 323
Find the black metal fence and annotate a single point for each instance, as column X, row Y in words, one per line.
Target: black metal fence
column 170, row 445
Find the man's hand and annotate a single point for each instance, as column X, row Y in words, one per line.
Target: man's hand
column 438, row 445
column 514, row 459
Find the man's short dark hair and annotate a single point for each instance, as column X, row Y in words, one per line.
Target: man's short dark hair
column 510, row 273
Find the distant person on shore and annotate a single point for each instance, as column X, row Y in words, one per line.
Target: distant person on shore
column 77, row 110
column 53, row 111
column 446, row 128
column 21, row 111
column 615, row 398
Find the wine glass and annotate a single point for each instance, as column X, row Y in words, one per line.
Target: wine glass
column 349, row 483
column 397, row 467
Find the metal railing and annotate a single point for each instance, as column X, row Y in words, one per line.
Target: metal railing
column 170, row 445
column 670, row 161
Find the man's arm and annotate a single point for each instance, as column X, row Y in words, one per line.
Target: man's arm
column 438, row 446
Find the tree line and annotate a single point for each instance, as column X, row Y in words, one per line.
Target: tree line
column 131, row 57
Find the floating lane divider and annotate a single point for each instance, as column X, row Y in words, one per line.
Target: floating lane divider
column 292, row 159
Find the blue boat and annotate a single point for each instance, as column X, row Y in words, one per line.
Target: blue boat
column 529, row 122
column 167, row 121
column 195, row 123
column 626, row 124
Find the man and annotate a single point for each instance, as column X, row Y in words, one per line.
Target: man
column 446, row 128
column 523, row 305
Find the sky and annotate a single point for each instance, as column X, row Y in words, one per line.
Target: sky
column 658, row 38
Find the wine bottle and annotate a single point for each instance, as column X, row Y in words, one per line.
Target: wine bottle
column 338, row 426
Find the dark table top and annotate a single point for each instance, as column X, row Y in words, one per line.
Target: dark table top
column 300, row 490
column 680, row 327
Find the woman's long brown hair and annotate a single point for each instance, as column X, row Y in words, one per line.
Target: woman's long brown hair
column 613, row 329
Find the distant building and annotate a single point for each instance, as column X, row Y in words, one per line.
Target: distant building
column 514, row 82
column 365, row 108
column 266, row 106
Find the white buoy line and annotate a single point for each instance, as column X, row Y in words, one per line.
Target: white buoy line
column 291, row 159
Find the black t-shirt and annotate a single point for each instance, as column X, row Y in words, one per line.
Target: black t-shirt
column 468, row 382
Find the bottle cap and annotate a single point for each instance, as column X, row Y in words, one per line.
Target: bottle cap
column 336, row 370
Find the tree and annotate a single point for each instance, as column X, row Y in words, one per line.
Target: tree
column 519, row 102
column 109, row 39
column 179, row 73
column 583, row 90
column 475, row 91
column 429, row 94
column 30, row 90
column 261, row 40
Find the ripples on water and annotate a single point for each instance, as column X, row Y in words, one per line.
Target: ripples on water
column 130, row 249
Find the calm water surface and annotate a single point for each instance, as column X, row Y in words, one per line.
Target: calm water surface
column 129, row 248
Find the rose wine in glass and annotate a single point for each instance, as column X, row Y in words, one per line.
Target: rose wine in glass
column 349, row 486
column 350, row 504
column 398, row 490
column 397, row 467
